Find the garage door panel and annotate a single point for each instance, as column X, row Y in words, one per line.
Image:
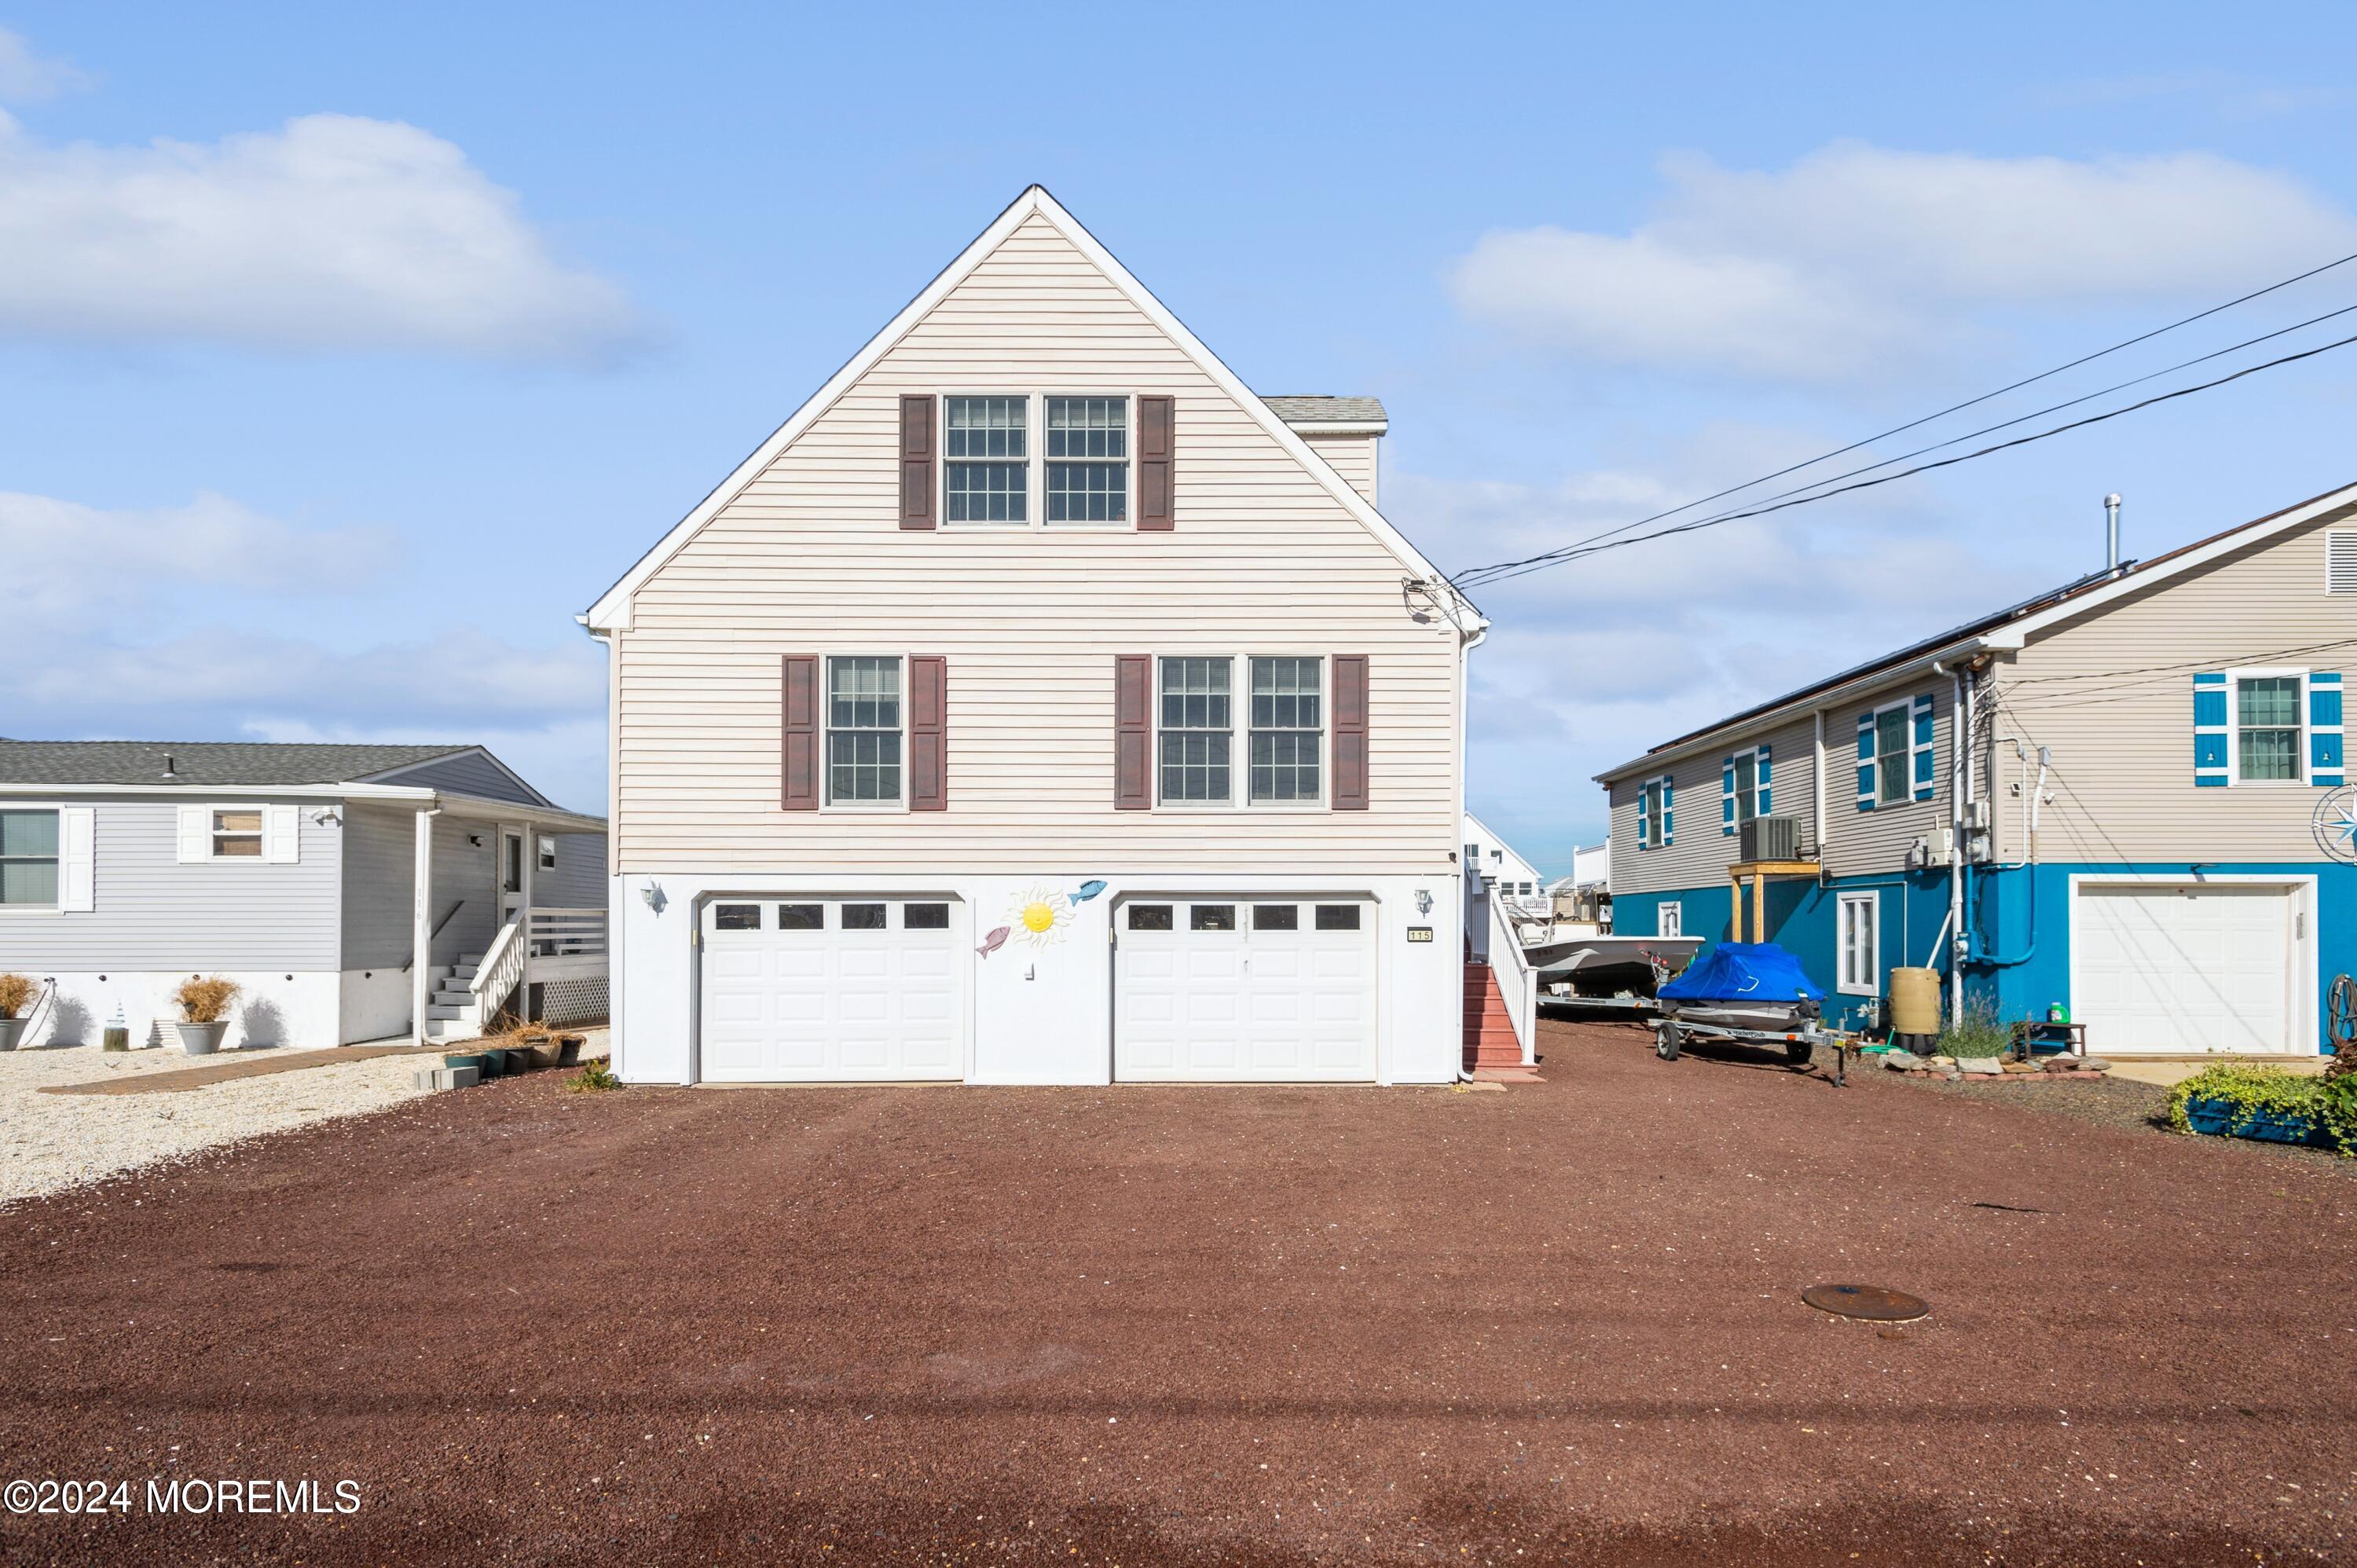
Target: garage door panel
column 2164, row 968
column 1275, row 999
column 821, row 1002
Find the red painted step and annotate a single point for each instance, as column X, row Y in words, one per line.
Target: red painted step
column 1489, row 1043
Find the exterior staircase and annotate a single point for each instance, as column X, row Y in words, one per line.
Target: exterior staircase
column 453, row 1013
column 1491, row 1052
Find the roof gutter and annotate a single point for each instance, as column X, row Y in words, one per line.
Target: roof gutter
column 1830, row 696
column 475, row 808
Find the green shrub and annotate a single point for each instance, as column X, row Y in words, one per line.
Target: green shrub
column 2247, row 1089
column 1979, row 1032
column 595, row 1078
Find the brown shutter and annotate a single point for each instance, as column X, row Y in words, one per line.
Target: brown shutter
column 1156, row 416
column 1349, row 732
column 916, row 460
column 928, row 713
column 801, row 743
column 1132, row 735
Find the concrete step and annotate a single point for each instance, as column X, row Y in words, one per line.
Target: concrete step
column 463, row 973
column 437, row 1010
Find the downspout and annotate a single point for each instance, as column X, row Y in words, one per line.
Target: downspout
column 1960, row 783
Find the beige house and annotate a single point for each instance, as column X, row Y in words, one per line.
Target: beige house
column 1039, row 704
column 2141, row 819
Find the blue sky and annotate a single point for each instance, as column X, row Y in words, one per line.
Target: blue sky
column 345, row 357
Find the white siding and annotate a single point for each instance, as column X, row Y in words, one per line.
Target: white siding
column 1352, row 456
column 809, row 559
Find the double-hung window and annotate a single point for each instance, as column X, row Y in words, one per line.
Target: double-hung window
column 2267, row 729
column 1653, row 825
column 865, row 730
column 1891, row 755
column 995, row 471
column 28, row 858
column 1745, row 765
column 237, row 833
column 1088, row 459
column 988, row 459
column 1279, row 728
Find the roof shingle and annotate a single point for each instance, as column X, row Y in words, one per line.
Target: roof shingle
column 201, row 762
column 1304, row 409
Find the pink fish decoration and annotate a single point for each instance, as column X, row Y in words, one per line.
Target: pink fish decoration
column 993, row 942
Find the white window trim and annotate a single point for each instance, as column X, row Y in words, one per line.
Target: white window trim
column 547, row 851
column 1905, row 708
column 1647, row 838
column 1871, row 986
column 826, row 801
column 1035, row 462
column 261, row 856
column 58, row 905
column 1240, row 734
column 2234, row 679
column 1670, row 918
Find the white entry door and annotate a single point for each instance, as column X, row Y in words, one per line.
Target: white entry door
column 809, row 989
column 2182, row 968
column 1269, row 989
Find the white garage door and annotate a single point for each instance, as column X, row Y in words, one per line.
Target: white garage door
column 2174, row 967
column 1267, row 990
column 801, row 989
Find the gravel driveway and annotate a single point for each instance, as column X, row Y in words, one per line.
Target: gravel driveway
column 1200, row 1325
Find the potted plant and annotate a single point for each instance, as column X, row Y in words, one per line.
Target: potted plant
column 204, row 1012
column 16, row 994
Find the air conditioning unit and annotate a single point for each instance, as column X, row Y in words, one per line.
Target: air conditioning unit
column 1769, row 838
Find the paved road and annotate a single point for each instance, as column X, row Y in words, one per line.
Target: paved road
column 1204, row 1325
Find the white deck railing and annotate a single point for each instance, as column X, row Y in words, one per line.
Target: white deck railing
column 567, row 943
column 1516, row 982
column 498, row 974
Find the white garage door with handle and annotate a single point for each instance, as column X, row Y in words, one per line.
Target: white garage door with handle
column 1267, row 990
column 2182, row 968
column 833, row 989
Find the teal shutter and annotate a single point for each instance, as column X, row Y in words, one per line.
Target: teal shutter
column 1644, row 799
column 1762, row 782
column 2210, row 734
column 1726, row 797
column 1866, row 760
column 2324, row 727
column 1926, row 774
column 1669, row 829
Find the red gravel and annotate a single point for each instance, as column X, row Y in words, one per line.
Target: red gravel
column 1559, row 1324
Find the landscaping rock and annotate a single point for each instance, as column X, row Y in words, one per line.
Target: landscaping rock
column 439, row 1077
column 1987, row 1065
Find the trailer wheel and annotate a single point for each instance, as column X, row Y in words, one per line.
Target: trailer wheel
column 1798, row 1052
column 1666, row 1041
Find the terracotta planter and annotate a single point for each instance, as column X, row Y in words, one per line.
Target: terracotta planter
column 201, row 1039
column 11, row 1031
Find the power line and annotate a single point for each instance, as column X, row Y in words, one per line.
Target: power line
column 1480, row 575
column 1538, row 563
column 1953, row 408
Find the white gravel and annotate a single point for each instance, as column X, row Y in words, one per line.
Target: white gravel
column 49, row 1142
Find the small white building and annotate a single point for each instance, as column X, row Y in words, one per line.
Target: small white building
column 1506, row 876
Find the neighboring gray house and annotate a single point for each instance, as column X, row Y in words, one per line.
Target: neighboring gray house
column 312, row 876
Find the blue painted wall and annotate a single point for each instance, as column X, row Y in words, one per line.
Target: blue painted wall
column 2022, row 961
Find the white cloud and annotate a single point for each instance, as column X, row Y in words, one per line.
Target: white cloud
column 27, row 78
column 333, row 232
column 1858, row 256
column 64, row 558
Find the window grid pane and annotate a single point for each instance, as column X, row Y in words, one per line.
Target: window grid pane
column 2267, row 711
column 980, row 489
column 1747, row 796
column 1288, row 726
column 862, row 735
column 1890, row 753
column 1197, row 719
column 1082, row 485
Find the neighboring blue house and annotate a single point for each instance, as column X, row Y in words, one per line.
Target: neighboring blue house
column 2143, row 818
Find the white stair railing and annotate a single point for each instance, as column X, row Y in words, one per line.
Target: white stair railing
column 1517, row 984
column 498, row 974
column 568, row 933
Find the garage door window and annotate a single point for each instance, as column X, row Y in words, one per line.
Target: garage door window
column 1149, row 917
column 1211, row 918
column 736, row 917
column 1338, row 917
column 1277, row 917
column 925, row 917
column 802, row 917
column 863, row 916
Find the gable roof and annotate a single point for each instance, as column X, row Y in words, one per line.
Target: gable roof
column 201, row 763
column 1304, row 411
column 2011, row 628
column 612, row 610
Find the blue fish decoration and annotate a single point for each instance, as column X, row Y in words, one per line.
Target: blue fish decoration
column 1088, row 891
column 993, row 942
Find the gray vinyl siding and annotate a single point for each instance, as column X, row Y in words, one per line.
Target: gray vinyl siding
column 379, row 858
column 2121, row 731
column 579, row 880
column 469, row 773
column 151, row 913
column 1699, row 853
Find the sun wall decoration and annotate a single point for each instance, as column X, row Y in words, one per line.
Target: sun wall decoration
column 1039, row 915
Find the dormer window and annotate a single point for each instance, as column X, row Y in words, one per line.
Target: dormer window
column 995, row 474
